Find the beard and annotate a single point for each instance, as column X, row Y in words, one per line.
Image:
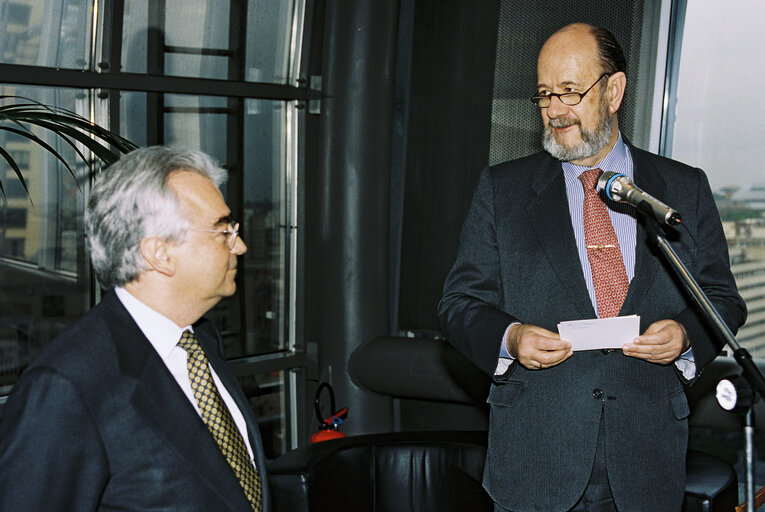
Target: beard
column 592, row 141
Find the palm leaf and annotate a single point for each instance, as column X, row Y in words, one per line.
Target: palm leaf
column 22, row 113
column 31, row 136
column 8, row 158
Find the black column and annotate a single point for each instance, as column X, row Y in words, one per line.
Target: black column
column 349, row 269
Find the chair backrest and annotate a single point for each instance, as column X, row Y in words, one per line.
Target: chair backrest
column 400, row 471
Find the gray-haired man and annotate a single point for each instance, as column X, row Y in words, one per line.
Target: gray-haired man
column 121, row 412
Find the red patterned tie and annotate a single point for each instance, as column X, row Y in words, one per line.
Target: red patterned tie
column 608, row 274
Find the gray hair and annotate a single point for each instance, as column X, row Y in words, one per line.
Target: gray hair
column 131, row 201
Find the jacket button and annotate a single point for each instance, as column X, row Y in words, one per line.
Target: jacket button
column 597, row 393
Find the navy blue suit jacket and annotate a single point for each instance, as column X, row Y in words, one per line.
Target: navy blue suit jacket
column 518, row 261
column 97, row 422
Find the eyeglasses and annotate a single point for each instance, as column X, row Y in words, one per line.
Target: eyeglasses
column 230, row 234
column 567, row 98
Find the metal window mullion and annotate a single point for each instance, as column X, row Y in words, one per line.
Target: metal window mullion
column 200, row 110
column 674, row 46
column 266, row 363
column 292, row 156
column 47, row 76
column 188, row 50
column 296, row 40
column 292, row 114
column 110, row 58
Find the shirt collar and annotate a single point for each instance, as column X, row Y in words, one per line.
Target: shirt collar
column 161, row 332
column 615, row 161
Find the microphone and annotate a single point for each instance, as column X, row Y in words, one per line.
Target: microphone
column 618, row 187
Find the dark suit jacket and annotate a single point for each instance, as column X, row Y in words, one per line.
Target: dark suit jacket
column 518, row 261
column 97, row 422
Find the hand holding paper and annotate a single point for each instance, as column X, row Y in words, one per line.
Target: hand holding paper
column 600, row 333
column 535, row 347
column 661, row 343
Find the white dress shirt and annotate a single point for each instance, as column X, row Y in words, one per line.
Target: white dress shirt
column 164, row 334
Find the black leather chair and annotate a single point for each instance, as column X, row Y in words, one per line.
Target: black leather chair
column 711, row 484
column 432, row 471
column 393, row 472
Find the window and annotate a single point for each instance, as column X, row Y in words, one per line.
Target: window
column 52, row 33
column 712, row 133
column 51, row 224
column 201, row 41
column 251, row 48
column 718, row 51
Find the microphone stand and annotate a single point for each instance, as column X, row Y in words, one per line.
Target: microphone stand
column 750, row 372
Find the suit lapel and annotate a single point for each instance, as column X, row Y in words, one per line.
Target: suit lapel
column 210, row 342
column 648, row 178
column 549, row 206
column 164, row 407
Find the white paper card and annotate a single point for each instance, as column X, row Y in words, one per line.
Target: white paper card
column 600, row 333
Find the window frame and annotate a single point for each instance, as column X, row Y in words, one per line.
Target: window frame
column 104, row 81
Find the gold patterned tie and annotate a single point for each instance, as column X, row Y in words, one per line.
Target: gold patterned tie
column 609, row 277
column 218, row 419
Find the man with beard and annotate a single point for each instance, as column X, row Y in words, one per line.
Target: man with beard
column 591, row 430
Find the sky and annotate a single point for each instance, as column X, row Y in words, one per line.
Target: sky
column 721, row 91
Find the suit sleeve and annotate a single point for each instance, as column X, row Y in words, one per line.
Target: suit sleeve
column 51, row 455
column 470, row 309
column 713, row 276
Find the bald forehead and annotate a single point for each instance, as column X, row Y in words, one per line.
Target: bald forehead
column 571, row 41
column 570, row 53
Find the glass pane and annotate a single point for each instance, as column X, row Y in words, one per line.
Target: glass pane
column 268, row 398
column 265, row 227
column 199, row 38
column 197, row 122
column 269, row 27
column 724, row 141
column 44, row 278
column 46, row 32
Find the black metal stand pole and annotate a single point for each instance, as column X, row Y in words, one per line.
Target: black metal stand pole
column 742, row 356
column 750, row 458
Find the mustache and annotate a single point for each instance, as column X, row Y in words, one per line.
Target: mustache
column 562, row 122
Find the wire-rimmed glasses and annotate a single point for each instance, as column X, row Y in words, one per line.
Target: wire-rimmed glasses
column 567, row 98
column 230, row 234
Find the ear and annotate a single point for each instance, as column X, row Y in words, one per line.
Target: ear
column 157, row 256
column 617, row 83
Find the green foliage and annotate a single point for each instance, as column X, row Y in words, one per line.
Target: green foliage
column 17, row 114
column 739, row 213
